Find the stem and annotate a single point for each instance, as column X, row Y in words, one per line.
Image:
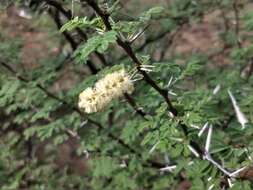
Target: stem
column 129, row 51
column 51, row 95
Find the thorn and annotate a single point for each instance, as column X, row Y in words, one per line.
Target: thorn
column 138, row 34
column 194, row 126
column 193, row 151
column 123, row 164
column 176, row 139
column 171, row 115
column 203, row 129
column 240, row 116
column 172, row 93
column 134, row 72
column 211, row 187
column 145, row 69
column 190, row 163
column 210, row 159
column 216, row 89
column 153, row 147
column 208, row 139
column 170, row 81
column 168, row 168
column 73, row 133
column 84, row 123
column 152, row 66
column 86, row 153
column 230, row 184
column 234, row 174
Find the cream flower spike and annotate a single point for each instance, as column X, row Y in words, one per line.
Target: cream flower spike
column 88, row 100
column 112, row 86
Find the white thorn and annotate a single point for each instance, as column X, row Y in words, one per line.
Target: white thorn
column 203, row 129
column 148, row 66
column 190, row 163
column 240, row 116
column 123, row 164
column 216, row 89
column 153, row 147
column 172, row 93
column 170, row 81
column 230, row 183
column 234, row 174
column 208, row 139
column 133, row 74
column 86, row 154
column 193, row 150
column 145, row 69
column 176, row 139
column 194, row 126
column 209, row 158
column 168, row 168
column 211, row 187
column 171, row 115
column 84, row 123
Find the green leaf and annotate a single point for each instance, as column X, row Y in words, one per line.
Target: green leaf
column 103, row 167
column 79, row 23
column 98, row 43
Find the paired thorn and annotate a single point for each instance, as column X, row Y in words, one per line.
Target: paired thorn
column 207, row 155
column 147, row 68
column 132, row 38
column 171, row 82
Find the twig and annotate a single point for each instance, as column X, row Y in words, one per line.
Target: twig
column 132, row 103
column 51, row 95
column 127, row 48
column 67, row 13
column 237, row 23
column 74, row 45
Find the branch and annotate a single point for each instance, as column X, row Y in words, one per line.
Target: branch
column 237, row 23
column 131, row 54
column 74, row 45
column 129, row 51
column 48, row 93
column 67, row 13
column 133, row 104
column 51, row 95
column 56, row 16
